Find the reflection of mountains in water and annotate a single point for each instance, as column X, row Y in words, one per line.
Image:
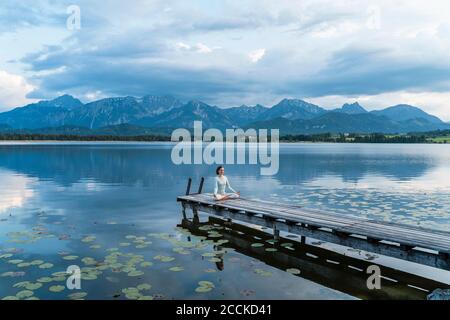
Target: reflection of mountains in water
column 325, row 267
column 152, row 165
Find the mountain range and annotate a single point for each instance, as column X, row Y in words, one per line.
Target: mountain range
column 160, row 114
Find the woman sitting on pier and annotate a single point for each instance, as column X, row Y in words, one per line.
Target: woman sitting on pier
column 221, row 183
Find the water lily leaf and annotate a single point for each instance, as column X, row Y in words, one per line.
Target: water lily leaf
column 176, row 269
column 32, row 298
column 44, row 279
column 206, row 284
column 208, row 254
column 287, row 244
column 88, row 239
column 130, row 290
column 15, row 261
column 88, row 261
column 59, row 279
column 24, row 294
column 146, row 264
column 214, row 260
column 146, row 298
column 124, row 244
column 88, row 276
column 70, row 257
column 210, row 270
column 257, row 245
column 10, row 298
column 271, row 249
column 46, row 265
column 95, row 246
column 203, row 289
column 293, row 270
column 5, row 256
column 57, row 288
column 77, row 295
column 33, row 286
column 133, row 296
column 23, row 264
column 135, row 273
column 21, row 284
column 144, row 286
column 36, row 262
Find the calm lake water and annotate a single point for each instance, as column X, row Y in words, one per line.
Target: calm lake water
column 111, row 209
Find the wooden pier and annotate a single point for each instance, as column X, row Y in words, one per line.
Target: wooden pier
column 320, row 265
column 415, row 244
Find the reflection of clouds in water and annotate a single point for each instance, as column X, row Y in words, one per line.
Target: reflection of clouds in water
column 15, row 190
column 436, row 179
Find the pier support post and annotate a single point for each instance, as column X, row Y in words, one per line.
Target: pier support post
column 200, row 187
column 195, row 217
column 188, row 189
column 276, row 232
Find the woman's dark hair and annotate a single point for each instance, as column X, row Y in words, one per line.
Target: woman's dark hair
column 218, row 169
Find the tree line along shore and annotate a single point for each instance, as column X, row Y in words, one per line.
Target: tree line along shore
column 440, row 137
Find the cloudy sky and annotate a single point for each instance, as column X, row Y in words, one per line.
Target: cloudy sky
column 228, row 53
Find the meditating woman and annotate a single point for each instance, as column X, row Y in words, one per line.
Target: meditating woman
column 221, row 183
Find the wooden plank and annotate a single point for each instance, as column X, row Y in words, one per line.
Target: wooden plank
column 406, row 235
column 426, row 258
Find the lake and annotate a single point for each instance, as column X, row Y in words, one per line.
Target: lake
column 110, row 208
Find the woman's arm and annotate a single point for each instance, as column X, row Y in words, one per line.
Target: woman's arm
column 229, row 187
column 216, row 186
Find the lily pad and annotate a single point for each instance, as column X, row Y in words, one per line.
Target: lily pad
column 88, row 239
column 135, row 273
column 176, row 269
column 44, row 279
column 33, row 286
column 202, row 289
column 77, row 295
column 22, row 284
column 15, row 261
column 257, row 245
column 24, row 294
column 146, row 264
column 209, row 254
column 144, row 286
column 70, row 258
column 293, row 270
column 204, row 286
column 46, row 265
column 57, row 288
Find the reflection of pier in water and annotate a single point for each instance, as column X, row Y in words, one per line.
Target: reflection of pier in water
column 322, row 266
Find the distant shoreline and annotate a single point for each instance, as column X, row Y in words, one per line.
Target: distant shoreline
column 421, row 138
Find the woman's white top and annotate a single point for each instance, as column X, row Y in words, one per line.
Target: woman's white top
column 221, row 184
